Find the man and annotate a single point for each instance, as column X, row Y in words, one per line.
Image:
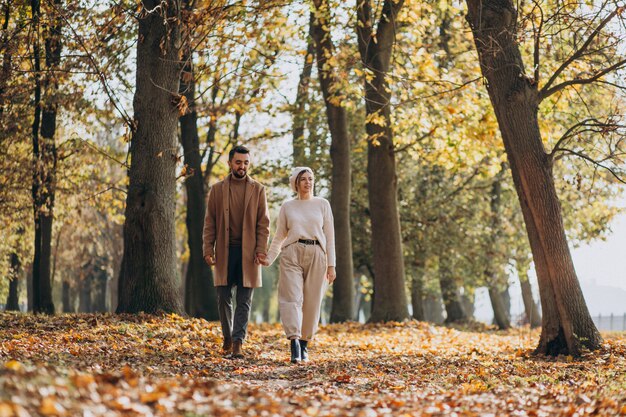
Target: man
column 235, row 237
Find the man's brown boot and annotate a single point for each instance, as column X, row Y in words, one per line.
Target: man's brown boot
column 237, row 353
column 227, row 346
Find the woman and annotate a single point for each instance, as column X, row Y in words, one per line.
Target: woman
column 306, row 237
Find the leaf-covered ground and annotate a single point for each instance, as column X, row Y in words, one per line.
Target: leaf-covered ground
column 106, row 365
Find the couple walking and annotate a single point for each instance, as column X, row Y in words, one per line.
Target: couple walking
column 235, row 241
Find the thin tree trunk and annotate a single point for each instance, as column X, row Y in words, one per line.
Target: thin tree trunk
column 66, row 297
column 302, row 98
column 390, row 302
column 13, row 303
column 494, row 270
column 450, row 294
column 343, row 287
column 567, row 326
column 84, row 296
column 148, row 276
column 45, row 156
column 530, row 306
column 500, row 312
column 200, row 295
column 433, row 310
column 417, row 287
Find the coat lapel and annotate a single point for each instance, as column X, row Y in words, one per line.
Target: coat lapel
column 249, row 185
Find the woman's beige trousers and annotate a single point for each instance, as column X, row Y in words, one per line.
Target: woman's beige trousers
column 301, row 287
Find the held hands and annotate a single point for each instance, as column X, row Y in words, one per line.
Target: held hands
column 261, row 259
column 210, row 260
column 331, row 274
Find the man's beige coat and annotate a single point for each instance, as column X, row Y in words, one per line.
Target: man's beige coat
column 256, row 230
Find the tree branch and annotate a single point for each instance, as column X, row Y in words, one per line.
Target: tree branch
column 577, row 54
column 580, row 81
column 593, row 161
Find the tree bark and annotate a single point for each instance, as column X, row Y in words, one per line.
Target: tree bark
column 341, row 176
column 7, row 56
column 567, row 326
column 45, row 156
column 533, row 316
column 390, row 302
column 450, row 294
column 200, row 295
column 148, row 276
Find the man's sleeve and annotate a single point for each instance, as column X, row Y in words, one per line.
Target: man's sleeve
column 208, row 233
column 262, row 224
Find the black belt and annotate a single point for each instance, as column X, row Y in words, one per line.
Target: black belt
column 309, row 241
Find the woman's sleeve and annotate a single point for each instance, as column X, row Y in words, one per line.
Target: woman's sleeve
column 279, row 236
column 329, row 232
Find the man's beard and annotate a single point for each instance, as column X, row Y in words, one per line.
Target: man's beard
column 237, row 175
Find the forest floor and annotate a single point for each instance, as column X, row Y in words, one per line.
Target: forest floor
column 107, row 365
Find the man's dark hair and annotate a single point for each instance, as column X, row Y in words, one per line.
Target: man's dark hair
column 237, row 149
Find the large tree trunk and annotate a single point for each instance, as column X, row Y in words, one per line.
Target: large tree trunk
column 450, row 293
column 148, row 276
column 343, row 287
column 200, row 295
column 389, row 301
column 302, row 98
column 567, row 326
column 45, row 156
column 533, row 317
column 13, row 303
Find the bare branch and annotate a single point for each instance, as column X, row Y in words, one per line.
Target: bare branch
column 580, row 81
column 594, row 162
column 577, row 54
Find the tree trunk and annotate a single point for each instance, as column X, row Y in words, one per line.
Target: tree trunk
column 450, row 294
column 45, row 157
column 533, row 316
column 6, row 58
column 302, row 98
column 500, row 312
column 390, row 302
column 494, row 271
column 66, row 297
column 567, row 326
column 417, row 295
column 343, row 287
column 200, row 295
column 433, row 311
column 417, row 287
column 467, row 303
column 13, row 302
column 148, row 276
column 84, row 296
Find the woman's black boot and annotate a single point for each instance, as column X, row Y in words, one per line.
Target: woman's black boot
column 295, row 351
column 304, row 352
